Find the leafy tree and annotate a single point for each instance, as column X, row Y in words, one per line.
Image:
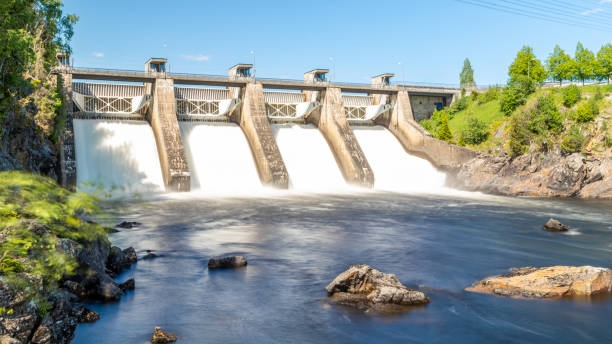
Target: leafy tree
column 604, row 62
column 516, row 93
column 584, row 63
column 559, row 65
column 467, row 74
column 475, row 132
column 526, row 64
column 444, row 132
column 545, row 116
column 571, row 95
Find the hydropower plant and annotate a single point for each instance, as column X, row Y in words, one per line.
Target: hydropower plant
column 155, row 131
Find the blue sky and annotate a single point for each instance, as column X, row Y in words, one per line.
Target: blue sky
column 430, row 38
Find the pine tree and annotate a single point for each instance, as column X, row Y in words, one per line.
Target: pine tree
column 467, row 74
column 444, row 132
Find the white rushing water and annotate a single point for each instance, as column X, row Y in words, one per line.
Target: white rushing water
column 219, row 159
column 117, row 154
column 395, row 169
column 308, row 158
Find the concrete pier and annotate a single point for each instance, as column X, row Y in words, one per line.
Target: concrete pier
column 162, row 116
column 68, row 169
column 331, row 121
column 417, row 140
column 253, row 120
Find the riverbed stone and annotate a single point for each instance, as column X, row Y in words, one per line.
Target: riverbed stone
column 130, row 284
column 128, row 224
column 553, row 225
column 363, row 287
column 162, row 337
column 547, row 282
column 227, row 262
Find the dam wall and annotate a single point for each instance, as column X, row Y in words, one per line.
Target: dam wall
column 416, row 140
column 253, row 120
column 331, row 121
column 162, row 116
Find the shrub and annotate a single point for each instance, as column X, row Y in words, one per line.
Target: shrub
column 573, row 141
column 475, row 132
column 545, row 116
column 598, row 95
column 491, row 94
column 444, row 132
column 584, row 113
column 474, row 95
column 516, row 93
column 571, row 95
column 519, row 134
column 460, row 105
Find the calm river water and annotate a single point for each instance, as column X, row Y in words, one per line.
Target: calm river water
column 296, row 244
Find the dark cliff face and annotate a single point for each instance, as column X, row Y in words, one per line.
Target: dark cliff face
column 24, row 147
column 550, row 174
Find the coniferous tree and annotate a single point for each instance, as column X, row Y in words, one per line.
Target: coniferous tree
column 444, row 132
column 467, row 74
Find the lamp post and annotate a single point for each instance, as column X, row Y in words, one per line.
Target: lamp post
column 333, row 69
column 254, row 68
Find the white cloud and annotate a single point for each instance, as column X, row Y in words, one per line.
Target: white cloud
column 593, row 11
column 97, row 54
column 198, row 58
column 605, row 2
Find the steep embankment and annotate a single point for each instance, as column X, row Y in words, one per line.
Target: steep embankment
column 558, row 144
column 51, row 257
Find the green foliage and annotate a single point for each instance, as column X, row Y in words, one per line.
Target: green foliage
column 545, row 116
column 527, row 65
column 491, row 94
column 571, row 95
column 467, row 73
column 475, row 132
column 584, row 63
column 444, row 132
column 586, row 111
column 604, row 62
column 520, row 135
column 559, row 65
column 516, row 93
column 474, row 95
column 598, row 95
column 573, row 140
column 459, row 105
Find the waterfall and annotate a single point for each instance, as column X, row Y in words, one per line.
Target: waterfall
column 395, row 169
column 219, row 158
column 308, row 158
column 117, row 154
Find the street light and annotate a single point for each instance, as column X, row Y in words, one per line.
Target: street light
column 254, row 68
column 333, row 69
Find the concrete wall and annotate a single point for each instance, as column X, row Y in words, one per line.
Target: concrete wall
column 423, row 106
column 162, row 117
column 67, row 152
column 417, row 140
column 253, row 120
column 331, row 121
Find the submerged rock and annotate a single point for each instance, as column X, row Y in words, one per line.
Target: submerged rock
column 364, row 287
column 555, row 226
column 128, row 285
column 162, row 337
column 227, row 262
column 547, row 282
column 86, row 315
column 128, row 224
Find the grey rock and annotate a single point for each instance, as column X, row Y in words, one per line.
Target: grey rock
column 553, row 225
column 162, row 337
column 128, row 224
column 227, row 262
column 130, row 284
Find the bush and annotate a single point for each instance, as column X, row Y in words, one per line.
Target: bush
column 460, row 105
column 520, row 135
column 573, row 141
column 584, row 113
column 475, row 132
column 598, row 95
column 491, row 95
column 474, row 95
column 571, row 95
column 444, row 132
column 545, row 116
column 516, row 93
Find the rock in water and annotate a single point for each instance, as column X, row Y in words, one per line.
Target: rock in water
column 364, row 287
column 162, row 337
column 555, row 226
column 548, row 282
column 87, row 315
column 227, row 262
column 128, row 224
column 130, row 284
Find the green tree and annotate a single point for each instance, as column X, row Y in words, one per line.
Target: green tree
column 571, row 95
column 520, row 135
column 604, row 62
column 559, row 65
column 467, row 74
column 573, row 140
column 444, row 132
column 516, row 93
column 545, row 116
column 584, row 63
column 475, row 132
column 526, row 64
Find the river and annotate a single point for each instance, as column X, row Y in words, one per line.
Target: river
column 297, row 243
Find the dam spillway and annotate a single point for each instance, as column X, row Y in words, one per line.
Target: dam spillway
column 219, row 158
column 309, row 161
column 117, row 154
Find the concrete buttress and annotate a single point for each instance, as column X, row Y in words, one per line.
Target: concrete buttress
column 164, row 122
column 253, row 120
column 331, row 121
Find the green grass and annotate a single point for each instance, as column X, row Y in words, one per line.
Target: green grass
column 488, row 113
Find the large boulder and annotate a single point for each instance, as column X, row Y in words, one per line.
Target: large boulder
column 227, row 262
column 162, row 337
column 121, row 259
column 363, row 287
column 555, row 226
column 547, row 282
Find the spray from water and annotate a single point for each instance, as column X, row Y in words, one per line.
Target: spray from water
column 309, row 161
column 394, row 169
column 219, row 159
column 117, row 154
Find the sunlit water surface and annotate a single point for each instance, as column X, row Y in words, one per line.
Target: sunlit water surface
column 297, row 243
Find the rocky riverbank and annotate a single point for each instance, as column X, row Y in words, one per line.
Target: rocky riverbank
column 550, row 174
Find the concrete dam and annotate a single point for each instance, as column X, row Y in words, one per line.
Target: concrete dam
column 153, row 131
